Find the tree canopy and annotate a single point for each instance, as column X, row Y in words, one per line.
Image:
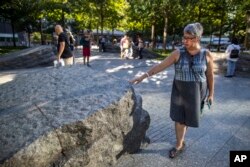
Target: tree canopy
column 151, row 18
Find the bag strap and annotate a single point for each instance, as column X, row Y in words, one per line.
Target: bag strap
column 234, row 47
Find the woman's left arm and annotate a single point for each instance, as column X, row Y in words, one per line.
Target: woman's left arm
column 210, row 76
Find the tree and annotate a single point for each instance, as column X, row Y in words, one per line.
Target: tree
column 167, row 12
column 22, row 14
column 147, row 17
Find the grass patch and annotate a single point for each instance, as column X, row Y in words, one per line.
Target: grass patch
column 163, row 53
column 8, row 49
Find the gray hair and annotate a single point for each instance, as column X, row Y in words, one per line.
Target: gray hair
column 195, row 29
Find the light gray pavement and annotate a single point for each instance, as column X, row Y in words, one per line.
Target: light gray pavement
column 226, row 127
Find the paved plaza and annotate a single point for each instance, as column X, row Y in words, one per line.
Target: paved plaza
column 223, row 128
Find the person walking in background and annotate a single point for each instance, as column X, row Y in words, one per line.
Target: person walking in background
column 129, row 51
column 121, row 45
column 232, row 54
column 103, row 43
column 114, row 41
column 140, row 46
column 63, row 47
column 71, row 40
column 85, row 42
column 193, row 75
column 126, row 47
column 99, row 43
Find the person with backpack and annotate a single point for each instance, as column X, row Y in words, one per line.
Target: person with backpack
column 232, row 53
column 63, row 49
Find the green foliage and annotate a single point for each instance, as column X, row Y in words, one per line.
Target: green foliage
column 163, row 53
column 36, row 37
column 223, row 17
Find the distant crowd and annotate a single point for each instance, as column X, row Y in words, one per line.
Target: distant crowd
column 66, row 44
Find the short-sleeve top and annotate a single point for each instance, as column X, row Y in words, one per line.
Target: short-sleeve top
column 85, row 42
column 66, row 52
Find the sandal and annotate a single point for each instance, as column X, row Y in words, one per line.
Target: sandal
column 174, row 152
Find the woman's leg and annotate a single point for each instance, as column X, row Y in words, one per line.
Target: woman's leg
column 180, row 132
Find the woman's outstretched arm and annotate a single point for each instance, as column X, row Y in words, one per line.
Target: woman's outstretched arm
column 158, row 68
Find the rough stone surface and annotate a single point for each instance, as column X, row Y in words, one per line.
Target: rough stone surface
column 71, row 116
column 27, row 58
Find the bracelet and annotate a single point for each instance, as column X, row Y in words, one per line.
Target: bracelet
column 147, row 74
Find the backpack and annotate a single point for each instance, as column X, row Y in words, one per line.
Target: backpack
column 234, row 53
column 71, row 40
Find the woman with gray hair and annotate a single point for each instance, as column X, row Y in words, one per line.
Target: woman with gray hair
column 193, row 75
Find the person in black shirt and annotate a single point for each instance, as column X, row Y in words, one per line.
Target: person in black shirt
column 85, row 42
column 63, row 48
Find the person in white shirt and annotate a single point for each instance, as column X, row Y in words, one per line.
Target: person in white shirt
column 121, row 45
column 126, row 47
column 231, row 61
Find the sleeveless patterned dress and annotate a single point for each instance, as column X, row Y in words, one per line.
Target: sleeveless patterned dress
column 189, row 88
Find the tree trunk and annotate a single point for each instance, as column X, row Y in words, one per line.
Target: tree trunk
column 199, row 14
column 113, row 30
column 164, row 45
column 143, row 27
column 29, row 38
column 153, row 34
column 220, row 33
column 63, row 19
column 13, row 33
column 41, row 32
column 101, row 18
column 247, row 37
